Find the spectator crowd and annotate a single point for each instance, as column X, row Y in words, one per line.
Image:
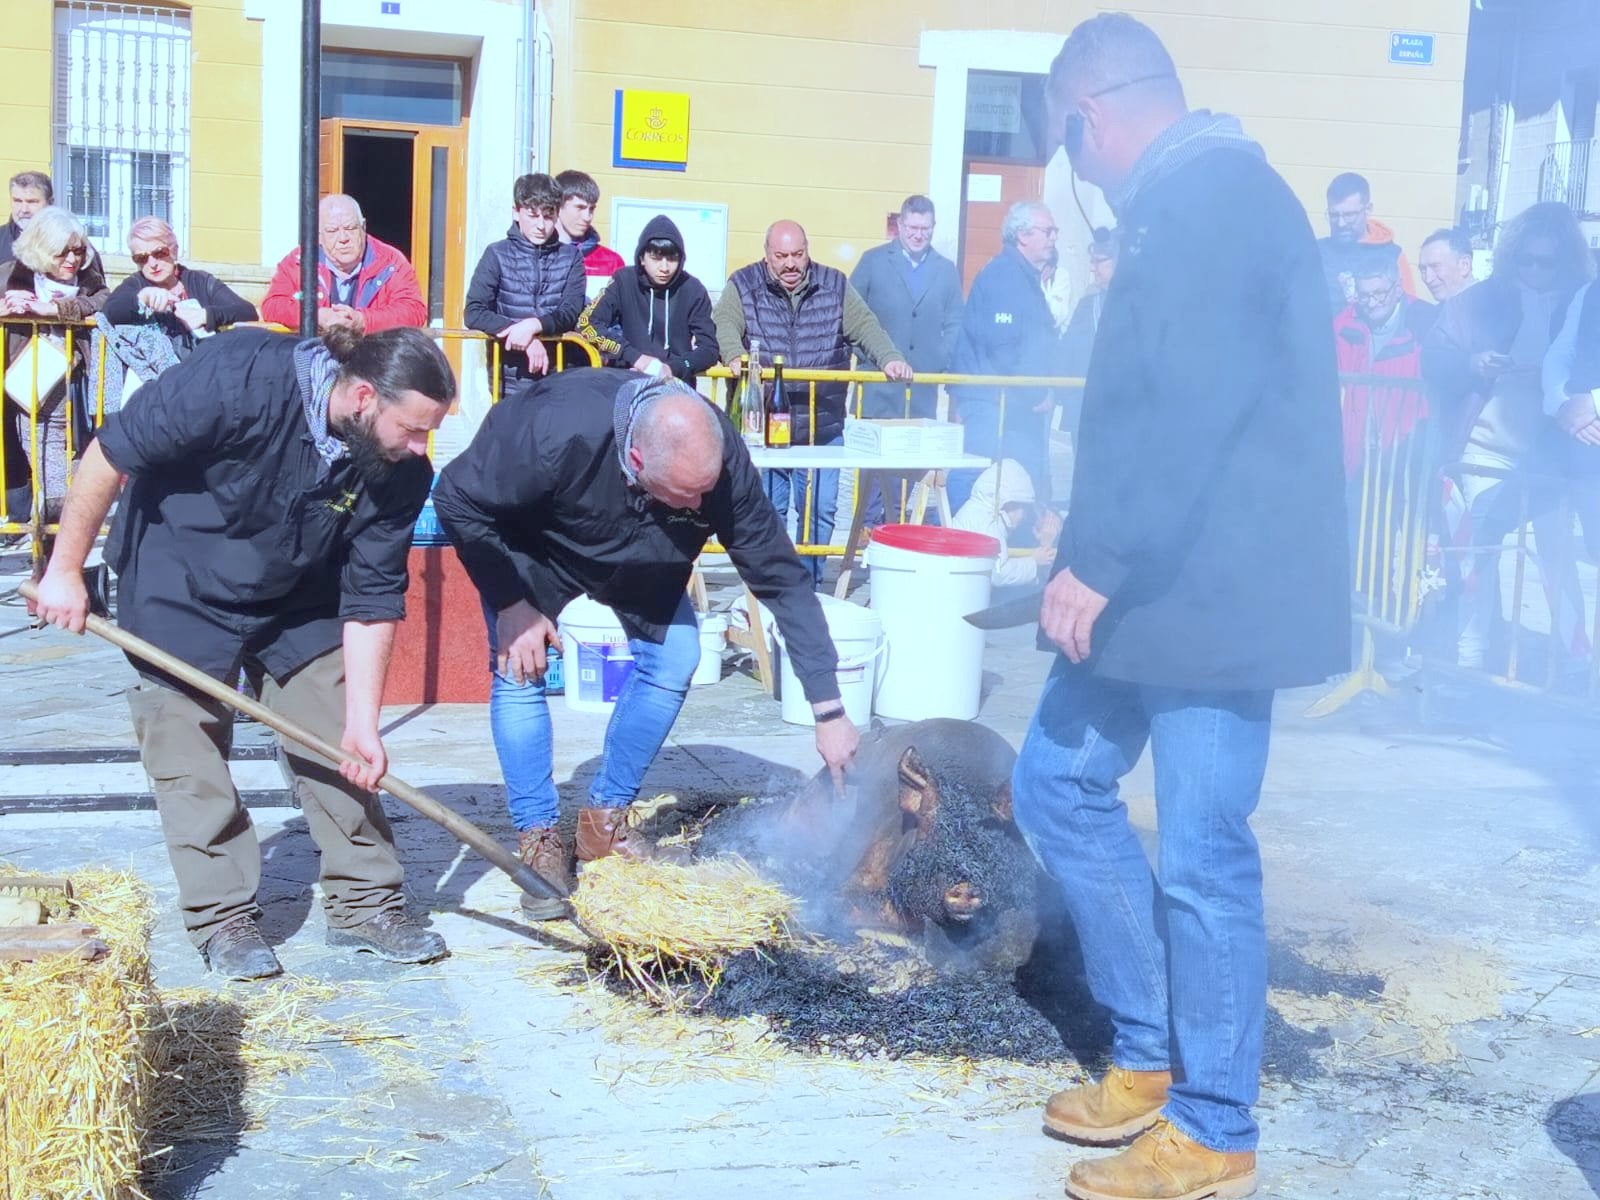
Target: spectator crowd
column 1483, row 386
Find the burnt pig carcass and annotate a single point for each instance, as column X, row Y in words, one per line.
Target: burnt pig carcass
column 921, row 843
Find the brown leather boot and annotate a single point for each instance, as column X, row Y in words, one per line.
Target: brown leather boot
column 1165, row 1164
column 605, row 831
column 1118, row 1105
column 544, row 850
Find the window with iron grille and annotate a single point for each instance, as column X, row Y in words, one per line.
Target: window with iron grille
column 121, row 116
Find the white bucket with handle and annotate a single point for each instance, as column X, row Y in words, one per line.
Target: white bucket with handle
column 857, row 635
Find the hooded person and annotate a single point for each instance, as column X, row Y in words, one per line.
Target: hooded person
column 1002, row 499
column 654, row 316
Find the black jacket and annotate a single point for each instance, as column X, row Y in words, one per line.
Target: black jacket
column 223, row 306
column 1006, row 329
column 232, row 535
column 539, row 510
column 632, row 316
column 516, row 279
column 1208, row 498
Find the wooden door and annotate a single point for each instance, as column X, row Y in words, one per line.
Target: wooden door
column 988, row 190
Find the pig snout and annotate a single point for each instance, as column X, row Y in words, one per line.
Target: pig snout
column 963, row 901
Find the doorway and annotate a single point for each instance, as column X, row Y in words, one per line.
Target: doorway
column 410, row 181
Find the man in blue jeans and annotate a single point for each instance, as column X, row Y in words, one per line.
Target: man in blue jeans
column 608, row 483
column 1202, row 568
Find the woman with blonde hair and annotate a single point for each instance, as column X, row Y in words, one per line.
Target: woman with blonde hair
column 185, row 302
column 55, row 274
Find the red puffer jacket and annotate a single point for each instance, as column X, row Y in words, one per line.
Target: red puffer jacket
column 386, row 290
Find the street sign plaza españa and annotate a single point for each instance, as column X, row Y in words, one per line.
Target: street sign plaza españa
column 1411, row 49
column 651, row 130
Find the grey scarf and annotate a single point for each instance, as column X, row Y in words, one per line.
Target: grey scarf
column 1177, row 146
column 316, row 370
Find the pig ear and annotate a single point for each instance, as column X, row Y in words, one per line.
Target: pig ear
column 919, row 795
column 1002, row 803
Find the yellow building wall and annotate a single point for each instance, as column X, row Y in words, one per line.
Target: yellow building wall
column 225, row 134
column 821, row 112
column 25, row 101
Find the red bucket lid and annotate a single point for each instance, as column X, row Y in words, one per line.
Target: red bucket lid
column 935, row 539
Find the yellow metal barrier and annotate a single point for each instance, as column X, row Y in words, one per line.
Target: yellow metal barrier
column 854, row 379
column 1389, row 500
column 40, row 523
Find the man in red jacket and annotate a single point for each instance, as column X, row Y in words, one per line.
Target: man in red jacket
column 362, row 282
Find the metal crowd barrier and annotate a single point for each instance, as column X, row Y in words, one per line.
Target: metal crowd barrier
column 1404, row 549
column 40, row 523
column 1389, row 509
column 854, row 379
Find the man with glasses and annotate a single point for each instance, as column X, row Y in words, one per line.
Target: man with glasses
column 1008, row 329
column 915, row 292
column 363, row 283
column 1202, row 567
column 1350, row 230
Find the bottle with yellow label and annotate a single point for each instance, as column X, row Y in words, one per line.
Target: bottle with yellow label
column 780, row 431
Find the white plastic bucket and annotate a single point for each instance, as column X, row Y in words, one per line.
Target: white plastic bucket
column 596, row 660
column 713, row 639
column 924, row 581
column 857, row 636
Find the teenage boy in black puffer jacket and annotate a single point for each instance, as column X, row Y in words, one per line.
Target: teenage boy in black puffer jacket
column 654, row 316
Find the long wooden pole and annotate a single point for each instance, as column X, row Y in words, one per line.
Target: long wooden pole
column 458, row 826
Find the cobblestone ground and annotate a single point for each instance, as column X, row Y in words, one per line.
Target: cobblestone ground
column 1431, row 867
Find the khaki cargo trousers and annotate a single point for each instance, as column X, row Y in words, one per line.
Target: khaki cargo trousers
column 185, row 740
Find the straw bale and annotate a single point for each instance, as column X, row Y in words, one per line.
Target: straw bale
column 73, row 1075
column 665, row 922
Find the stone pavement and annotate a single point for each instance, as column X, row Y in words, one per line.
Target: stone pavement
column 1431, row 874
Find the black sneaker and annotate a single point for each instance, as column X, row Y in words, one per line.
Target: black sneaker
column 238, row 951
column 392, row 936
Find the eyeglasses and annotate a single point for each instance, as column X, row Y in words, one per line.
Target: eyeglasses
column 160, row 254
column 1048, row 231
column 335, row 230
column 1072, row 130
column 1348, row 218
column 73, row 252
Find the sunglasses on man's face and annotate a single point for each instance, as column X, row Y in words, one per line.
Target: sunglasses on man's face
column 1072, row 128
column 160, row 254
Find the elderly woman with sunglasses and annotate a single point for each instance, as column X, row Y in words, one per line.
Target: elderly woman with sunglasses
column 55, row 274
column 185, row 302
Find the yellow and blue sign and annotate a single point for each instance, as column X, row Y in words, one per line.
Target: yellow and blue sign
column 651, row 131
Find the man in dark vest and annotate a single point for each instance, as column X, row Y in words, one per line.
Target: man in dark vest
column 811, row 316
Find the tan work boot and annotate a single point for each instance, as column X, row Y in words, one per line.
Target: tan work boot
column 605, row 831
column 1118, row 1105
column 1164, row 1164
column 543, row 850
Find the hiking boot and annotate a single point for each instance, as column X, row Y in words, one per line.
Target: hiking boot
column 543, row 850
column 1117, row 1106
column 605, row 831
column 238, row 951
column 1165, row 1164
column 393, row 937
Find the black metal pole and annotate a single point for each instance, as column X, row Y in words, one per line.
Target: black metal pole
column 310, row 127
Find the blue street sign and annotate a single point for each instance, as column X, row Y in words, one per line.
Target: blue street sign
column 1411, row 49
column 390, row 8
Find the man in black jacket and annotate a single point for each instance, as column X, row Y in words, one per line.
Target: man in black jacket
column 1202, row 568
column 272, row 490
column 528, row 285
column 608, row 483
column 633, row 323
column 1008, row 329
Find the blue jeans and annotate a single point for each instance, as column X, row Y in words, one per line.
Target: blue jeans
column 519, row 718
column 1179, row 956
column 786, row 488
